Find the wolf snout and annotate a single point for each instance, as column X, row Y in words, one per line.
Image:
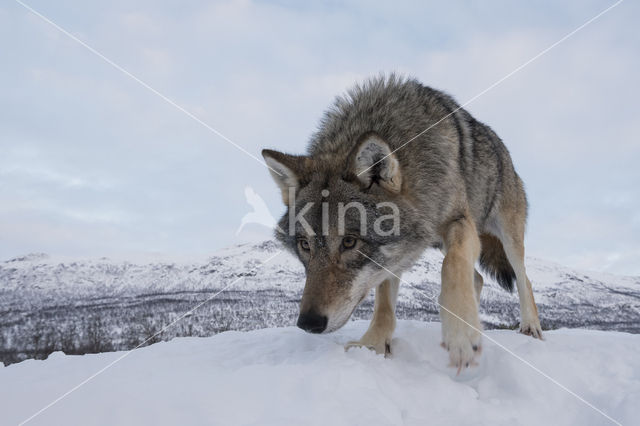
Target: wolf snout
column 312, row 322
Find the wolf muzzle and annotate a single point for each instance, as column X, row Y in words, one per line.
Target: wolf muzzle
column 312, row 322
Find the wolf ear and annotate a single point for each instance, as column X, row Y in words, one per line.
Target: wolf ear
column 373, row 162
column 285, row 170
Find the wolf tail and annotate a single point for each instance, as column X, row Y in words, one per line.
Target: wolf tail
column 493, row 260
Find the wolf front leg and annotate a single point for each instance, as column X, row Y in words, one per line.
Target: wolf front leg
column 378, row 336
column 461, row 334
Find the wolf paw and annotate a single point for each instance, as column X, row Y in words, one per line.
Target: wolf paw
column 381, row 346
column 531, row 328
column 462, row 354
column 463, row 344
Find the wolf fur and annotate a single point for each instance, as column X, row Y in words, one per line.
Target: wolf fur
column 454, row 186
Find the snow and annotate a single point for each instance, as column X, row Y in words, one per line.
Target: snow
column 282, row 376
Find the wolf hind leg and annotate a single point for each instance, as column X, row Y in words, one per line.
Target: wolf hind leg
column 512, row 238
column 529, row 321
column 378, row 336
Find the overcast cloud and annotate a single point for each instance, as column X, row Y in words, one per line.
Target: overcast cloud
column 92, row 163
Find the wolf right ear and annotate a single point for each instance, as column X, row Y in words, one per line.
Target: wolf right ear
column 286, row 170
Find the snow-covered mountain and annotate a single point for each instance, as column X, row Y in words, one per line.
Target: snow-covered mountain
column 284, row 376
column 96, row 305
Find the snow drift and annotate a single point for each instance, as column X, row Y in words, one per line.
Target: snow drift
column 282, row 376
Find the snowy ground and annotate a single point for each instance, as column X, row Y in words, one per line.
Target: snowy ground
column 283, row 376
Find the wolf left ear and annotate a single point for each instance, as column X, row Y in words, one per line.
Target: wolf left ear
column 286, row 170
column 373, row 162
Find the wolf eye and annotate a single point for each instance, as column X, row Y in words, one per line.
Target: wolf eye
column 348, row 242
column 304, row 244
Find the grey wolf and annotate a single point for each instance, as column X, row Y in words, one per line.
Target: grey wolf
column 453, row 188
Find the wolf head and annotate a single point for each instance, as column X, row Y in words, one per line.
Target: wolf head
column 348, row 222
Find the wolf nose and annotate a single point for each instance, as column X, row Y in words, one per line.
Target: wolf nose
column 312, row 322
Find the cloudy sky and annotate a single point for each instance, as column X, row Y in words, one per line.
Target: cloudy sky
column 93, row 163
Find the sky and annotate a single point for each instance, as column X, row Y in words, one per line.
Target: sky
column 92, row 163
